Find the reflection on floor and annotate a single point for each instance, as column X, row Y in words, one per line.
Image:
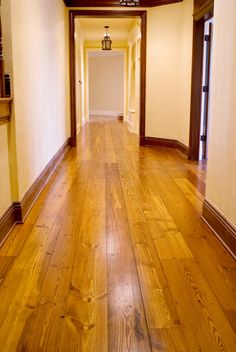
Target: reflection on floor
column 114, row 256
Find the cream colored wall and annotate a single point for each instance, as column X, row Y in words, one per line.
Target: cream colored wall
column 186, row 35
column 41, row 102
column 5, row 190
column 106, row 83
column 134, row 78
column 80, row 84
column 6, row 130
column 169, row 53
column 221, row 174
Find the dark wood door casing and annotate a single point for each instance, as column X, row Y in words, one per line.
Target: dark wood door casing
column 116, row 3
column 107, row 14
column 203, row 10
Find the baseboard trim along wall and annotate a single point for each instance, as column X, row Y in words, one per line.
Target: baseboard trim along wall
column 18, row 211
column 105, row 113
column 165, row 142
column 222, row 228
column 9, row 219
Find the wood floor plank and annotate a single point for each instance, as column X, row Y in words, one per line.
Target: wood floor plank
column 159, row 305
column 114, row 256
column 127, row 322
column 204, row 323
column 86, row 313
column 168, row 340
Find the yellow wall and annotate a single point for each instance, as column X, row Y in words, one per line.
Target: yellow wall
column 134, row 78
column 40, row 65
column 169, row 54
column 7, row 136
column 185, row 70
column 5, row 190
column 35, row 44
column 80, row 77
column 221, row 174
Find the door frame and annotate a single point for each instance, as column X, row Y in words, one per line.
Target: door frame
column 86, row 58
column 199, row 18
column 107, row 14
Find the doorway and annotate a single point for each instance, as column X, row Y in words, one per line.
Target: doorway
column 201, row 69
column 107, row 14
column 106, row 83
column 206, row 77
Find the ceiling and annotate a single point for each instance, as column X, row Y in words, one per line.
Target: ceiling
column 93, row 28
column 111, row 3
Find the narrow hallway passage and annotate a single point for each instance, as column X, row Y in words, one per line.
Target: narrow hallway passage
column 114, row 256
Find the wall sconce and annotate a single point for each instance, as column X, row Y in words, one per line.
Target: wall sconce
column 106, row 42
column 129, row 3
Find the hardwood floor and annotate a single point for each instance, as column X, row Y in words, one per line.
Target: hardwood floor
column 114, row 256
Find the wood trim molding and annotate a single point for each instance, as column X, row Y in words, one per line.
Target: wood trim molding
column 72, row 79
column 160, row 142
column 183, row 148
column 115, row 3
column 8, row 220
column 204, row 10
column 143, row 60
column 18, row 211
column 196, row 89
column 109, row 14
column 36, row 188
column 166, row 143
column 222, row 228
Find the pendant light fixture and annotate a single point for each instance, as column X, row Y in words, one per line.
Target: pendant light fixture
column 129, row 3
column 106, row 42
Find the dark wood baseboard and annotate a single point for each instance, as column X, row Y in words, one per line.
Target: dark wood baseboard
column 34, row 191
column 8, row 220
column 220, row 226
column 183, row 148
column 72, row 141
column 18, row 211
column 165, row 142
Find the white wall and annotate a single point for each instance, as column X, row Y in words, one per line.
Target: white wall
column 169, row 55
column 221, row 174
column 106, row 83
column 40, row 64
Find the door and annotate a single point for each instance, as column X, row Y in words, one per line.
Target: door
column 205, row 89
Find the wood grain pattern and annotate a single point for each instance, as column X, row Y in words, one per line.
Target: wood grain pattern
column 114, row 256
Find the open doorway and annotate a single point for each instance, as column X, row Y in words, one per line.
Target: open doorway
column 140, row 65
column 201, row 69
column 106, row 83
column 206, row 78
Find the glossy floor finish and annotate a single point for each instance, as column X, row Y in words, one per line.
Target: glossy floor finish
column 114, row 256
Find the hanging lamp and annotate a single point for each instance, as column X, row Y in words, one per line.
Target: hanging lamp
column 106, row 42
column 129, row 3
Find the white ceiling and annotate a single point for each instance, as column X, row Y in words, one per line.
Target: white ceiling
column 93, row 28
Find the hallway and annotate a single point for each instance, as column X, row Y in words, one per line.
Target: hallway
column 114, row 256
